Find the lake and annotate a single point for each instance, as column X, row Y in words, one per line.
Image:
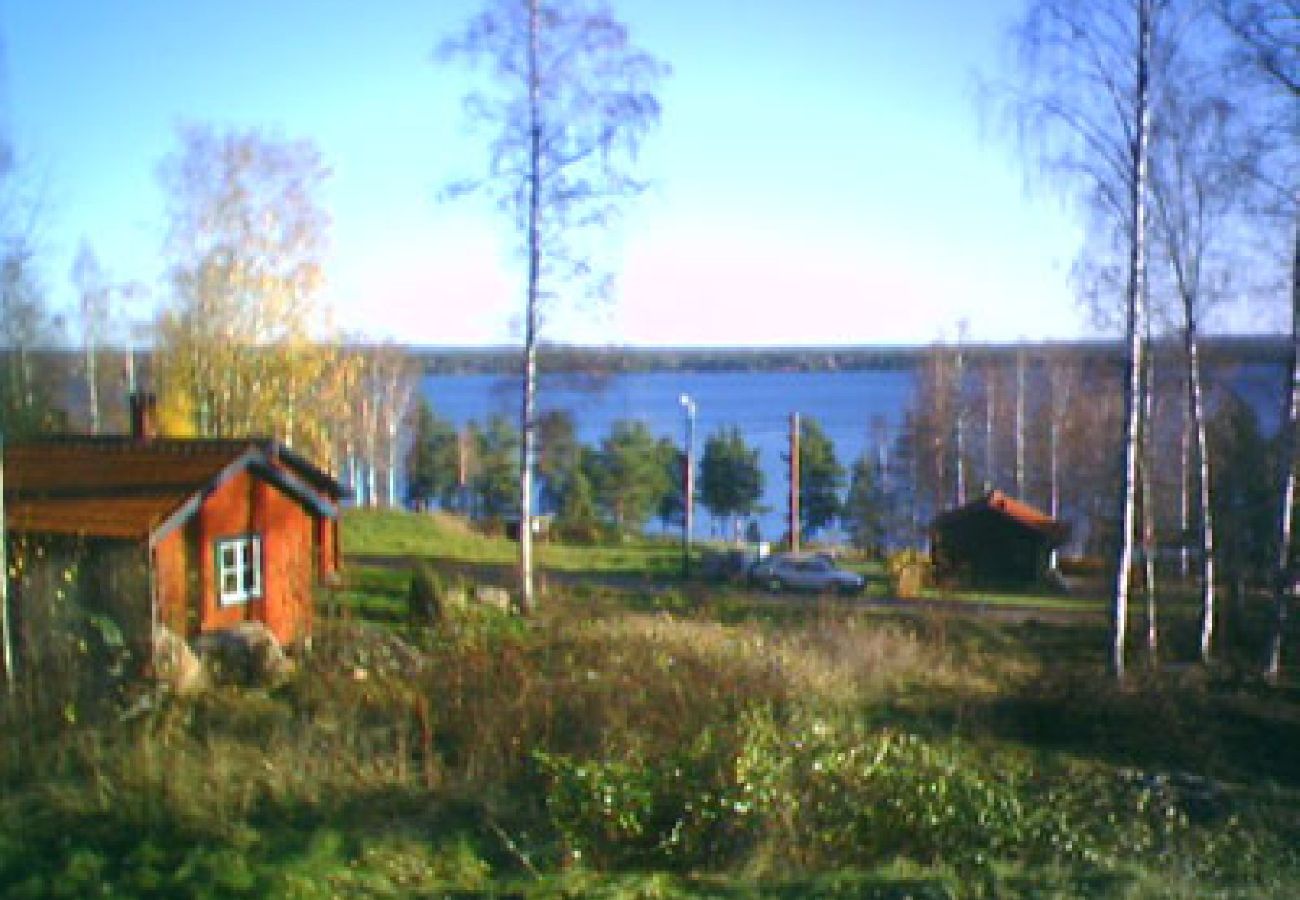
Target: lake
column 851, row 407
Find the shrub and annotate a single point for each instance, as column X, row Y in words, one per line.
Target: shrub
column 424, row 595
column 909, row 571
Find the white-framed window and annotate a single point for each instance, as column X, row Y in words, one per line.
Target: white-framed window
column 239, row 569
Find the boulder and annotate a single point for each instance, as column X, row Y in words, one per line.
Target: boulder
column 492, row 597
column 175, row 664
column 246, row 653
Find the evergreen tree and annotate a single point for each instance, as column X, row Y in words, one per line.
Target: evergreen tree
column 433, row 460
column 1243, row 491
column 731, row 481
column 495, row 485
column 672, row 505
column 821, row 477
column 559, row 458
column 866, row 508
column 632, row 479
column 577, row 518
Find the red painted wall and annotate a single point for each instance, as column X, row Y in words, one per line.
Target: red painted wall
column 170, row 575
column 242, row 506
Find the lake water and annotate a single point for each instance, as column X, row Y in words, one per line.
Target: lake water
column 852, row 407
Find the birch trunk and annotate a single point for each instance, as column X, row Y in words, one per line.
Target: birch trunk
column 1149, row 511
column 1196, row 402
column 1138, row 149
column 92, row 385
column 1020, row 424
column 527, row 422
column 990, row 401
column 1185, row 486
column 1282, row 575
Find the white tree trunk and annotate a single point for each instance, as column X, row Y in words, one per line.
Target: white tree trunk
column 1134, row 336
column 990, row 402
column 527, row 602
column 1020, row 424
column 1185, row 487
column 1197, row 403
column 1282, row 577
column 1147, row 471
column 392, row 465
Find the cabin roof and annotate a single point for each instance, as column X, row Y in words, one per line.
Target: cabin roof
column 1000, row 504
column 122, row 487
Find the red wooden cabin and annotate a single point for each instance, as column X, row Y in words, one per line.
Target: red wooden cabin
column 995, row 540
column 216, row 531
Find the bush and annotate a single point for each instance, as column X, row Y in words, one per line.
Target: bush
column 424, row 596
column 909, row 571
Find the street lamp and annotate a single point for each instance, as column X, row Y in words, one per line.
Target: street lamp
column 688, row 483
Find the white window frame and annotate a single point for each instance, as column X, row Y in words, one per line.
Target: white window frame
column 239, row 569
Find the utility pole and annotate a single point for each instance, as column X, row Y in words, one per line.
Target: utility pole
column 688, row 484
column 462, row 472
column 794, row 482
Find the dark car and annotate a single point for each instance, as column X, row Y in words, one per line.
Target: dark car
column 804, row 572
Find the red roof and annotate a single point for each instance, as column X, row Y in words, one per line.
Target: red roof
column 1016, row 510
column 119, row 487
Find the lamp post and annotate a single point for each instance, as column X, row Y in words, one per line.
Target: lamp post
column 688, row 483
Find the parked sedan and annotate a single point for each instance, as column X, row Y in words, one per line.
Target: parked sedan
column 804, row 572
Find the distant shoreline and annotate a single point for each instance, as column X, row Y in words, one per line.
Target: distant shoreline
column 496, row 360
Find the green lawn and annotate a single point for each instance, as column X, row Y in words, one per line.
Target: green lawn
column 441, row 537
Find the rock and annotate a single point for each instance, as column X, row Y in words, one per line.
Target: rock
column 247, row 654
column 175, row 664
column 493, row 597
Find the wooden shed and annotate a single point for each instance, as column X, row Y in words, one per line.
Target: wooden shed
column 194, row 534
column 996, row 540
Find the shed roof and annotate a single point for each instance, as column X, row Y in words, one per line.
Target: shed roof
column 1010, row 508
column 120, row 487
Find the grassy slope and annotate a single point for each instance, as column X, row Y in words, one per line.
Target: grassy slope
column 738, row 748
column 441, row 537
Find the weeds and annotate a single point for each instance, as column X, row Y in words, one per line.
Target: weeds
column 677, row 754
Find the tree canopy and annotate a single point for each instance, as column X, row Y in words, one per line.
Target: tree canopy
column 821, row 477
column 731, row 482
column 236, row 348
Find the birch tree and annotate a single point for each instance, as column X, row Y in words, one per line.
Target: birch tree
column 27, row 404
column 236, row 353
column 1196, row 182
column 570, row 102
column 1085, row 100
column 88, row 277
column 384, row 383
column 1267, row 35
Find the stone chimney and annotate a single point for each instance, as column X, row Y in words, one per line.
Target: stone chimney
column 144, row 416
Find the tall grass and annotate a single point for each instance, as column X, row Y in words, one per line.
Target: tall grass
column 566, row 753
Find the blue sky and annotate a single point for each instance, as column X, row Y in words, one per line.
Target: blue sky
column 821, row 173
